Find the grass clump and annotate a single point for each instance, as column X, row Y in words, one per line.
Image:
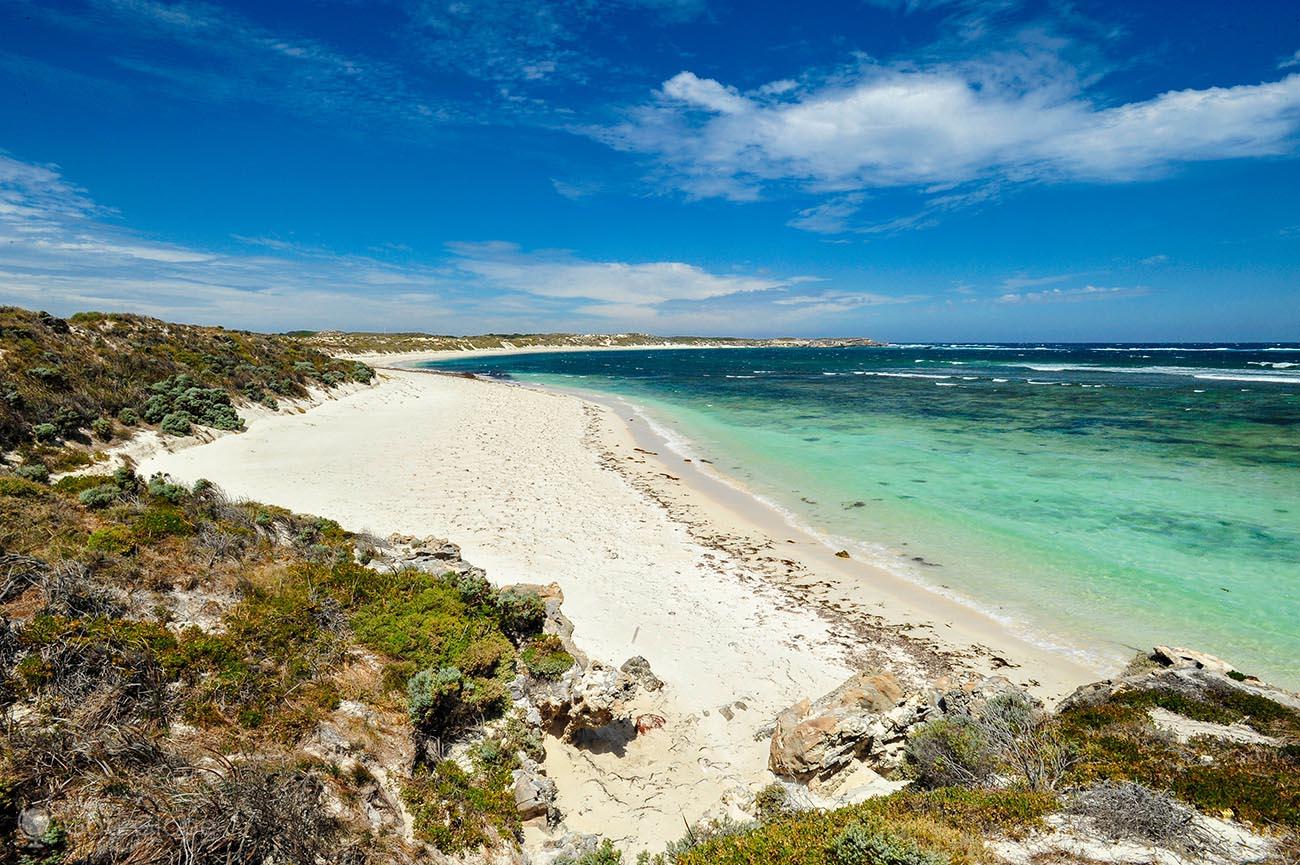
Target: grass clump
column 545, row 657
column 456, row 811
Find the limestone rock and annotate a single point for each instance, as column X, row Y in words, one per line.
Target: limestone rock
column 571, row 846
column 637, row 669
column 534, row 792
column 1185, row 671
column 581, row 699
column 816, row 740
column 34, row 824
column 868, row 719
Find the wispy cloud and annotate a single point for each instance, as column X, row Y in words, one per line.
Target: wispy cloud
column 60, row 250
column 1072, row 295
column 521, row 41
column 1289, row 62
column 831, row 302
column 192, row 49
column 612, row 288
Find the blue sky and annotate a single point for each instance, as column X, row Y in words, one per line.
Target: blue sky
column 914, row 170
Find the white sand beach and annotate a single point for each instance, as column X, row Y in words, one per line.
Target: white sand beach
column 739, row 613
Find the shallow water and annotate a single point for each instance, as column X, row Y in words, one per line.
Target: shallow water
column 1098, row 498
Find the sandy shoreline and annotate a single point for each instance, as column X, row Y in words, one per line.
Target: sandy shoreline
column 740, row 614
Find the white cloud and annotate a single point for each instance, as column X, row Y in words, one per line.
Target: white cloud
column 705, row 93
column 555, row 274
column 1293, row 60
column 1072, row 295
column 827, row 302
column 942, row 127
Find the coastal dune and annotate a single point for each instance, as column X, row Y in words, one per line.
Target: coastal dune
column 655, row 558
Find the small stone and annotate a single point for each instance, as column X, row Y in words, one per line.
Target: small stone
column 648, row 722
column 842, row 554
column 34, row 823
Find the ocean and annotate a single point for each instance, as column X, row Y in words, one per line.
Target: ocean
column 1096, row 498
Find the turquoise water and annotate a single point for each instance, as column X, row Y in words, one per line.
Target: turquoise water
column 1098, row 498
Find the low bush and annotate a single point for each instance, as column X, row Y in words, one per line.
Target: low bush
column 522, row 613
column 38, row 472
column 128, row 416
column 100, row 496
column 176, row 423
column 1008, row 735
column 155, row 523
column 771, row 802
column 456, row 811
column 1128, row 811
column 160, row 488
column 45, row 432
column 605, row 854
column 179, row 401
column 545, row 657
column 115, row 540
column 102, row 429
column 951, row 752
column 865, row 844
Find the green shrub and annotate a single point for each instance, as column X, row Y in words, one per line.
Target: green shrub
column 45, row 432
column 161, row 488
column 951, row 752
column 771, row 802
column 38, row 472
column 159, row 522
column 176, row 423
column 180, row 401
column 455, row 811
column 47, row 374
column 432, row 697
column 99, row 497
column 128, row 416
column 861, row 844
column 546, row 658
column 522, row 613
column 116, row 540
column 362, row 373
column 102, row 428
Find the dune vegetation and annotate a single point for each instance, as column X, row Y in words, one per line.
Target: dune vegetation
column 67, row 386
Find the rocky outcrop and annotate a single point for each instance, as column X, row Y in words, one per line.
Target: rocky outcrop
column 1186, row 671
column 816, row 740
column 534, row 792
column 586, row 698
column 867, row 720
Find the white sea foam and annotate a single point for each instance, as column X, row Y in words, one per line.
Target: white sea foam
column 1252, row 377
column 906, row 375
